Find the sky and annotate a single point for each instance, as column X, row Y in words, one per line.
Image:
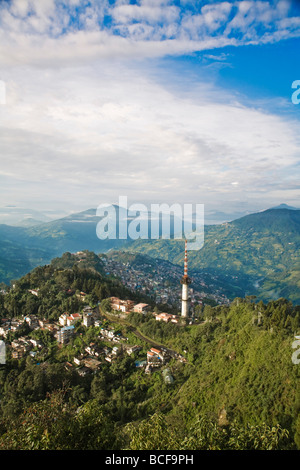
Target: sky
column 161, row 101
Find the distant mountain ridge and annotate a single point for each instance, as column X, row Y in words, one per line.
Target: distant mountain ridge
column 273, row 219
column 19, row 216
column 285, row 206
column 259, row 253
column 23, row 248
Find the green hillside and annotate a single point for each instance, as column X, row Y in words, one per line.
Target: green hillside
column 236, row 387
column 256, row 254
column 72, row 233
column 239, row 368
column 234, row 384
column 19, row 253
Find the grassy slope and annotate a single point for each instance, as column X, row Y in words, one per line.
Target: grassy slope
column 245, row 369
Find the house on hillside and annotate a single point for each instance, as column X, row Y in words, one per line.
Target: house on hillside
column 63, row 319
column 141, row 308
column 73, row 318
column 133, row 349
column 64, row 334
column 166, row 317
column 81, row 296
column 124, row 306
column 34, row 291
column 155, row 357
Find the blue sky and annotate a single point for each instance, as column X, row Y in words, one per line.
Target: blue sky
column 158, row 100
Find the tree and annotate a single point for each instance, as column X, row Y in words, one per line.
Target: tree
column 152, row 434
column 106, row 305
column 208, row 313
column 54, row 424
column 199, row 312
column 205, row 434
column 99, row 388
column 297, row 433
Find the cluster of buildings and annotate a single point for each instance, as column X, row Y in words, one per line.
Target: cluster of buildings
column 128, row 306
column 159, row 358
column 95, row 353
column 8, row 326
column 63, row 330
column 159, row 280
column 68, row 320
column 90, row 360
column 34, row 323
column 166, row 317
column 24, row 345
column 93, row 356
column 124, row 306
column 155, row 358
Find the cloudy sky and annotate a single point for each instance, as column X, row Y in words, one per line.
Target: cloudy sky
column 180, row 101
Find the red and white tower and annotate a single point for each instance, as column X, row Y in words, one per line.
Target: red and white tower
column 185, row 281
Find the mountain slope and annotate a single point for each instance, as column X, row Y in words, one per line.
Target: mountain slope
column 256, row 254
column 23, row 248
column 72, row 233
column 233, row 372
column 18, row 216
column 19, row 253
column 240, row 361
column 252, row 249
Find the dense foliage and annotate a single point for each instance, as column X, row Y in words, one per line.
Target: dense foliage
column 238, row 388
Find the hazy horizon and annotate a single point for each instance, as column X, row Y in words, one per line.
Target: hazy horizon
column 14, row 215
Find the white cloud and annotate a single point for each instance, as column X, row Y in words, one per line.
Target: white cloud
column 215, row 15
column 20, row 8
column 150, row 13
column 86, row 131
column 70, row 31
column 83, row 119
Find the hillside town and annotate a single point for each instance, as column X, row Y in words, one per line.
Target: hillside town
column 108, row 345
column 29, row 335
column 158, row 279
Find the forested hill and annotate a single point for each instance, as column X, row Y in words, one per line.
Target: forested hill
column 59, row 284
column 272, row 219
column 237, row 387
column 256, row 254
column 262, row 252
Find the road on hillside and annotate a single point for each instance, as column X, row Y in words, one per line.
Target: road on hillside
column 138, row 334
